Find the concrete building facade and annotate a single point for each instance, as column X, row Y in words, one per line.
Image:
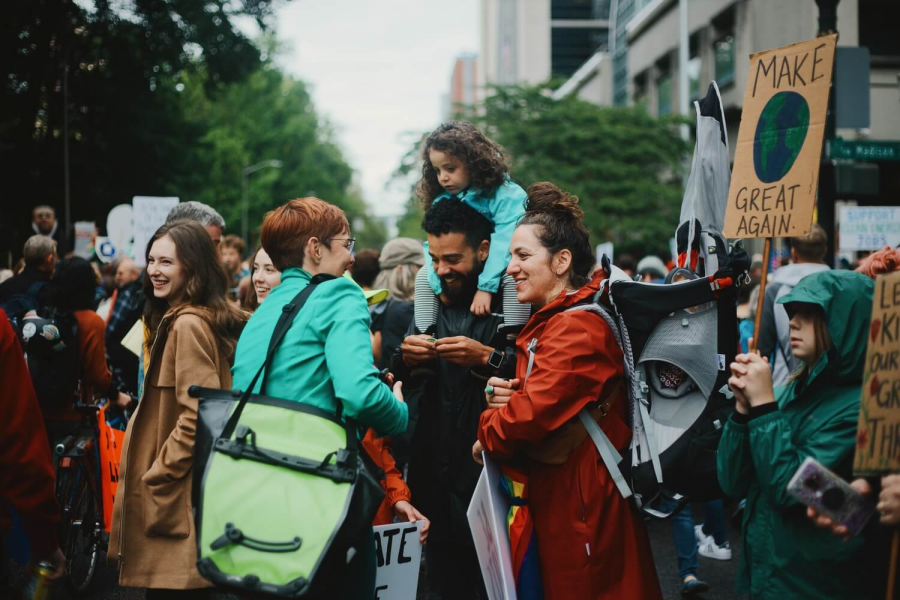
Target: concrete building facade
column 530, row 41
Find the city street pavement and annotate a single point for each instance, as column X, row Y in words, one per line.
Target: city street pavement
column 719, row 574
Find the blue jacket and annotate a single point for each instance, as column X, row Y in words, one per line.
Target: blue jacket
column 325, row 355
column 503, row 208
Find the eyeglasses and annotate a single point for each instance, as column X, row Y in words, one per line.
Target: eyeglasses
column 350, row 242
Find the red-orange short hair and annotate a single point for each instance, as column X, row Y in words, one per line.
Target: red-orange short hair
column 288, row 228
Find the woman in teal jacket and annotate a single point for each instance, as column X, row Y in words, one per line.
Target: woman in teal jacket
column 784, row 554
column 326, row 355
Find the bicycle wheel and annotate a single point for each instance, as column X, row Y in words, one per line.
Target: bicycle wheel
column 79, row 526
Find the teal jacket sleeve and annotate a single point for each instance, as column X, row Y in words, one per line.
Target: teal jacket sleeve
column 506, row 207
column 776, row 458
column 344, row 319
column 733, row 461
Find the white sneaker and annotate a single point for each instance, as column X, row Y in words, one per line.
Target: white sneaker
column 710, row 550
column 702, row 538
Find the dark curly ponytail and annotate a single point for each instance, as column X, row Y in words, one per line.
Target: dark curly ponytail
column 561, row 227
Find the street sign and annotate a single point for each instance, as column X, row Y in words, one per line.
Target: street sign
column 864, row 150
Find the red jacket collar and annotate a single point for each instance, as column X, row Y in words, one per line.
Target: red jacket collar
column 567, row 299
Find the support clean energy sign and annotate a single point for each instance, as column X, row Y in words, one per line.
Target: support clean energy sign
column 779, row 147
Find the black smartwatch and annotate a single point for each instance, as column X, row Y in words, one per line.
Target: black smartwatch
column 495, row 360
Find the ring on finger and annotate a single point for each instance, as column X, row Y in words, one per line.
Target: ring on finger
column 489, row 390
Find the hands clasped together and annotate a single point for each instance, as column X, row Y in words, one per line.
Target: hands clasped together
column 459, row 350
column 751, row 382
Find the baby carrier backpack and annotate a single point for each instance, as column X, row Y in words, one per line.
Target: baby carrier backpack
column 678, row 340
column 282, row 499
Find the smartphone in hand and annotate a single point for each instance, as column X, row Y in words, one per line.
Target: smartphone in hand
column 819, row 488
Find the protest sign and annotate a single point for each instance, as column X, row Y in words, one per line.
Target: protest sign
column 487, row 520
column 604, row 248
column 869, row 227
column 398, row 553
column 104, row 249
column 149, row 215
column 120, row 227
column 779, row 146
column 878, row 437
column 84, row 238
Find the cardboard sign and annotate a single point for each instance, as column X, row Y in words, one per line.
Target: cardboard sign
column 878, row 437
column 84, row 238
column 487, row 520
column 779, row 147
column 149, row 215
column 869, row 227
column 399, row 554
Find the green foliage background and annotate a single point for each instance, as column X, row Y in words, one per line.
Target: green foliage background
column 163, row 97
column 624, row 165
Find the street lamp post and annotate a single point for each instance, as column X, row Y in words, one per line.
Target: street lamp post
column 245, row 201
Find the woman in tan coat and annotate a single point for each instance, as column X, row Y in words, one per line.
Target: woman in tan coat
column 193, row 331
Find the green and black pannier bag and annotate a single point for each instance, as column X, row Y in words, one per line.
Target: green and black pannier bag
column 282, row 498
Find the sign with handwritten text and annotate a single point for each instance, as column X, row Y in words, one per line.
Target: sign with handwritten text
column 869, row 227
column 779, row 146
column 487, row 520
column 149, row 215
column 398, row 554
column 878, row 436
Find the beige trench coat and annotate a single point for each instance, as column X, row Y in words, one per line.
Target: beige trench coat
column 153, row 539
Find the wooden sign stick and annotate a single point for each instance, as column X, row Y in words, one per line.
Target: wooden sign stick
column 767, row 251
column 892, row 573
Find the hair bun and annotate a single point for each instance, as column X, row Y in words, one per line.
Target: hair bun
column 546, row 198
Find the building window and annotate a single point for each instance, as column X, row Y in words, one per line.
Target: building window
column 693, row 70
column 640, row 90
column 572, row 47
column 724, row 52
column 664, row 94
column 579, row 9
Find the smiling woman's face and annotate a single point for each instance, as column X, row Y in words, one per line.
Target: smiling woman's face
column 166, row 271
column 265, row 275
column 530, row 267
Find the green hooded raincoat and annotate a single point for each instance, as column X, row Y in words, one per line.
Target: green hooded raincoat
column 784, row 554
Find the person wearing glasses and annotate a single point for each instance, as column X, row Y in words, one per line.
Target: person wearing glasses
column 325, row 357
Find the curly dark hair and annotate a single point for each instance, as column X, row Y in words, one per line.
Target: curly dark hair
column 455, row 216
column 487, row 162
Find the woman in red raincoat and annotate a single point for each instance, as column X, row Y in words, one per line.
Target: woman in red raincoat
column 591, row 542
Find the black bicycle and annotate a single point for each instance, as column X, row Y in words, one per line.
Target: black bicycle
column 81, row 534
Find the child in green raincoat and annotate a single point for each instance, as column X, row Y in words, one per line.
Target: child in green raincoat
column 784, row 554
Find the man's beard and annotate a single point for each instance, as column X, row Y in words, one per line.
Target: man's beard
column 464, row 292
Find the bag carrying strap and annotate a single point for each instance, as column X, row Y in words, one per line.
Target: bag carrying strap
column 288, row 314
column 609, row 454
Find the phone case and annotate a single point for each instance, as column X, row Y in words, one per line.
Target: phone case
column 828, row 494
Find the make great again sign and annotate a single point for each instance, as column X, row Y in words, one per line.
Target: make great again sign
column 779, row 147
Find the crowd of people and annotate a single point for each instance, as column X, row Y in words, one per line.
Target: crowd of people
column 442, row 351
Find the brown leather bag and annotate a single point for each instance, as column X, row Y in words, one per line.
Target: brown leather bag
column 559, row 445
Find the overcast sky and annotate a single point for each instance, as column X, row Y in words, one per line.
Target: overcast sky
column 377, row 69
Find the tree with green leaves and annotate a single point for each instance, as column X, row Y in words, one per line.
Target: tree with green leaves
column 155, row 98
column 624, row 165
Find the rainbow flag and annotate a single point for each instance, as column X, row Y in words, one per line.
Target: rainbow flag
column 522, row 541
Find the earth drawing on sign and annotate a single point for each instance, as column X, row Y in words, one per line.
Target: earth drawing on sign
column 780, row 133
